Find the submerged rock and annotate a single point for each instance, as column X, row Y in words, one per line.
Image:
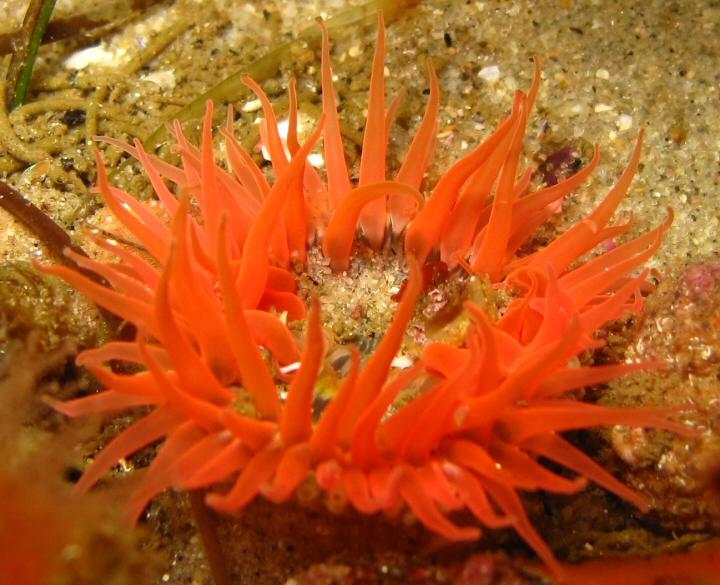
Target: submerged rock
column 681, row 327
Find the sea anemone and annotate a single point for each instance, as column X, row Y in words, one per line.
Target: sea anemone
column 211, row 292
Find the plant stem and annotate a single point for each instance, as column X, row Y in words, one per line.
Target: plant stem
column 36, row 21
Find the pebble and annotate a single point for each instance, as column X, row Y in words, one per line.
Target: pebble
column 490, row 73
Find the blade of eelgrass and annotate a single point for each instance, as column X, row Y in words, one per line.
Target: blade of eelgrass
column 231, row 89
column 36, row 20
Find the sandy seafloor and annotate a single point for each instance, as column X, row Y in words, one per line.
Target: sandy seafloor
column 610, row 69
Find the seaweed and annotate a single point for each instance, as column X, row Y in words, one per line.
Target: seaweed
column 232, row 88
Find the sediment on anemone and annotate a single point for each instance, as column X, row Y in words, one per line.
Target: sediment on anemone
column 211, row 294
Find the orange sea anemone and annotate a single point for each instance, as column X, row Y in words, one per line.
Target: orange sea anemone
column 211, row 291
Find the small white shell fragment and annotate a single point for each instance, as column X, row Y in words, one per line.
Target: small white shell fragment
column 290, row 368
column 402, row 362
column 92, row 55
column 252, row 106
column 316, row 159
column 165, row 78
column 599, row 108
column 624, row 122
column 602, row 74
column 490, row 73
column 283, row 126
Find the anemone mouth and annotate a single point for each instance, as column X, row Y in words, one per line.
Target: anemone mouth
column 358, row 303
